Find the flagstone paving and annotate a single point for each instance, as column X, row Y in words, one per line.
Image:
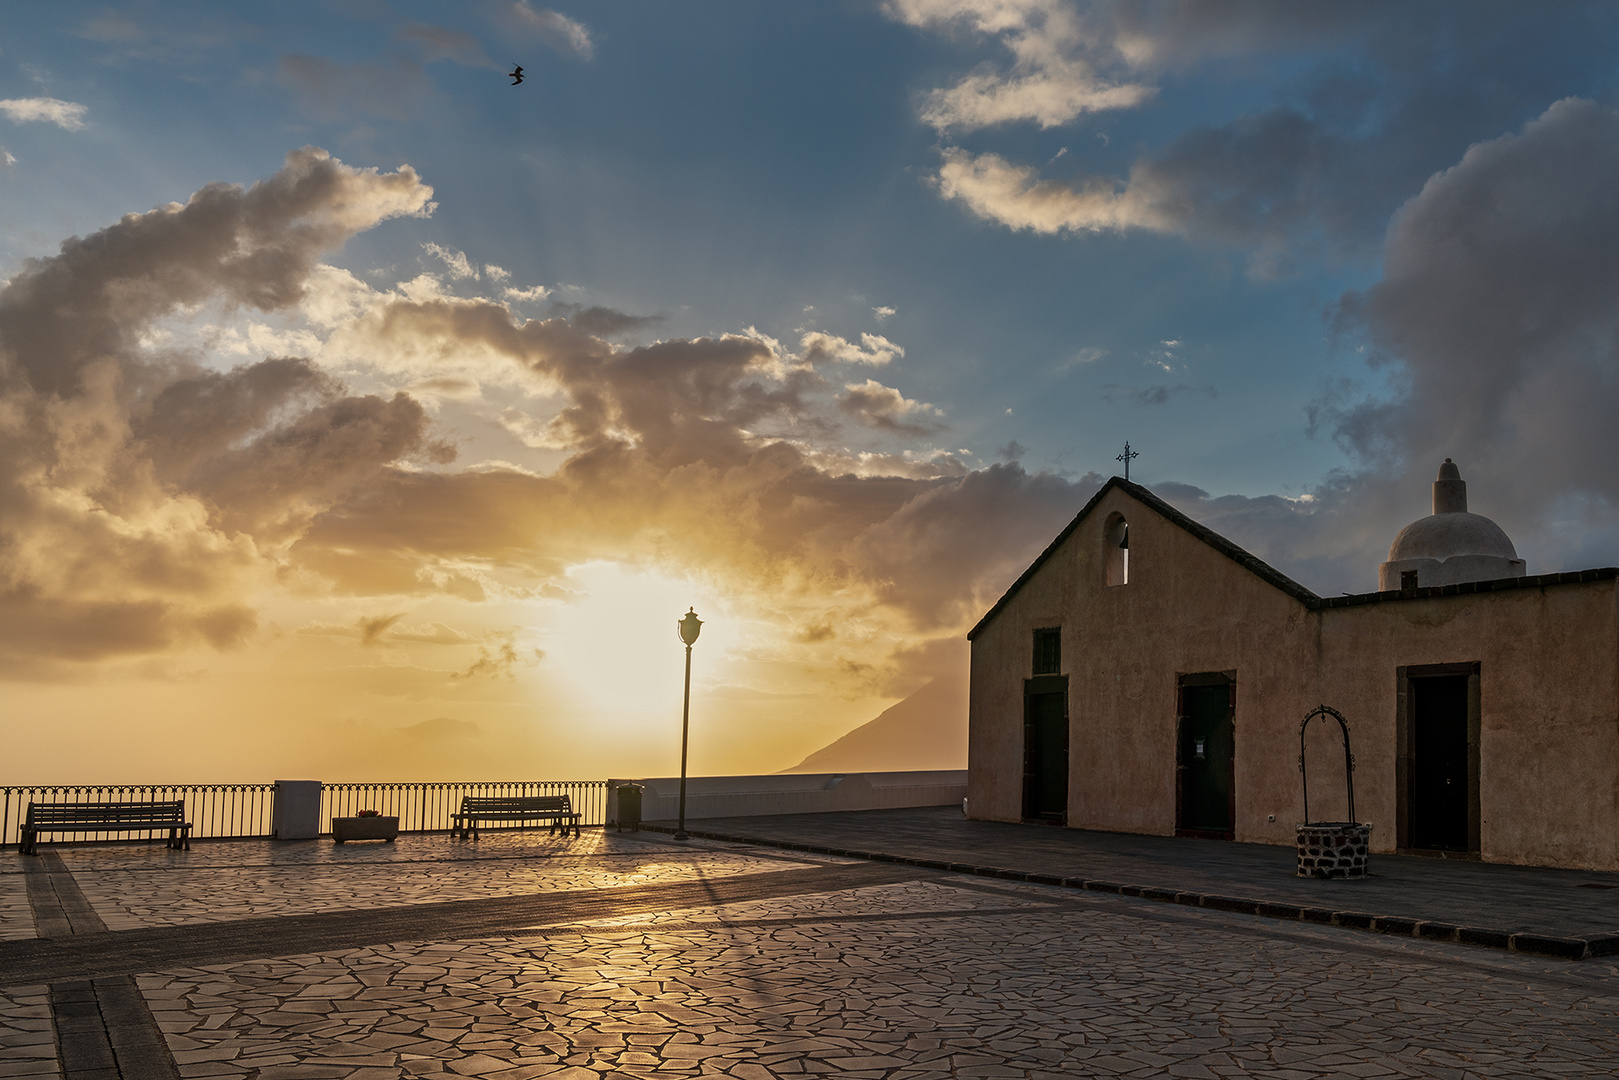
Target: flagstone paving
column 27, row 1047
column 16, row 919
column 146, row 884
column 909, row 898
column 1093, row 993
column 933, row 975
column 127, row 898
column 495, row 843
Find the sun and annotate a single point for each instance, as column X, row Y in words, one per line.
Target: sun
column 616, row 651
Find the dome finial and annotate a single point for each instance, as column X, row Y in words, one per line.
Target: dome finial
column 1449, row 490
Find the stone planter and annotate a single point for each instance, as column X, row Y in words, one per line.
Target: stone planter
column 365, row 828
column 1333, row 849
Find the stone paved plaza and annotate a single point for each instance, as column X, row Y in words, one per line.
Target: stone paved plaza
column 532, row 955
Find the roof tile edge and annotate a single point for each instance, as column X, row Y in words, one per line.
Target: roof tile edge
column 1429, row 592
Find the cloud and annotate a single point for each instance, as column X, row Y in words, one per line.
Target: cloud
column 372, row 628
column 1496, row 311
column 949, row 534
column 1014, row 195
column 1089, row 354
column 1153, row 395
column 1330, row 540
column 816, row 633
column 254, row 248
column 269, row 445
column 596, row 320
column 150, row 494
column 533, row 292
column 874, row 349
column 502, row 662
column 156, row 493
column 713, row 440
column 1054, row 75
column 142, row 497
column 453, row 387
column 556, row 30
column 529, row 431
column 884, row 407
column 64, row 114
column 1313, row 174
column 883, row 314
column 456, row 262
column 1494, row 322
column 1264, row 182
column 377, row 629
column 436, row 633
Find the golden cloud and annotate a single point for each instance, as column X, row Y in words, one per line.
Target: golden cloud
column 154, row 496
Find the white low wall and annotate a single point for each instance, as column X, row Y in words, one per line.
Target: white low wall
column 792, row 793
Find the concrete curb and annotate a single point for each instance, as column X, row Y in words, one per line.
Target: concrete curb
column 1559, row 948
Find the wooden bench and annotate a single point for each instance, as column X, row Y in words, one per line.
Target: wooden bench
column 519, row 808
column 105, row 817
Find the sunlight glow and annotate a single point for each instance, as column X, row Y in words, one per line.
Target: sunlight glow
column 620, row 658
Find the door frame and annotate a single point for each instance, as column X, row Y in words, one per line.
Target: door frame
column 1047, row 684
column 1405, row 743
column 1205, row 678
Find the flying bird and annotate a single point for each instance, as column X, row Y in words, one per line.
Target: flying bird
column 517, row 75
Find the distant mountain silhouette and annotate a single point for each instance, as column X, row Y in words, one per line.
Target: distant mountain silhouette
column 928, row 730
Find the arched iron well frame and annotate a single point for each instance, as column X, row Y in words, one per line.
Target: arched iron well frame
column 1349, row 759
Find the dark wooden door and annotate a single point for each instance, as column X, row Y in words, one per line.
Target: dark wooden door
column 1045, row 757
column 1205, row 760
column 1439, row 763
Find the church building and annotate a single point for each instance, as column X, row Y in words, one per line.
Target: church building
column 1147, row 675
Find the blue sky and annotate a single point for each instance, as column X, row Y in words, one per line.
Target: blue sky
column 727, row 165
column 1297, row 254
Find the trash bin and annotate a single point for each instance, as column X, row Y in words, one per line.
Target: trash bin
column 629, row 806
column 295, row 813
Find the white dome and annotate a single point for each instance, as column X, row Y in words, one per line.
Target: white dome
column 1442, row 536
column 1450, row 545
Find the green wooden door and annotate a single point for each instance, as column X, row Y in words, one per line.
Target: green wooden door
column 1045, row 756
column 1205, row 758
column 1439, row 763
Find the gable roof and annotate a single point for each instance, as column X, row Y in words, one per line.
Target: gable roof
column 1272, row 576
column 1252, row 563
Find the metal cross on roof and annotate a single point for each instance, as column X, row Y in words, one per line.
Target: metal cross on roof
column 1125, row 457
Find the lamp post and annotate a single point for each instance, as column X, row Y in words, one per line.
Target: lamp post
column 690, row 627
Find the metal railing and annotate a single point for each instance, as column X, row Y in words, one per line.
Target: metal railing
column 214, row 810
column 427, row 807
column 244, row 811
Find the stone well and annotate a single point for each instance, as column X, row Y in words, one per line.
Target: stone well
column 1333, row 849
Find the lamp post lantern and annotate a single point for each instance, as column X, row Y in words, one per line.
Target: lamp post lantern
column 690, row 627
